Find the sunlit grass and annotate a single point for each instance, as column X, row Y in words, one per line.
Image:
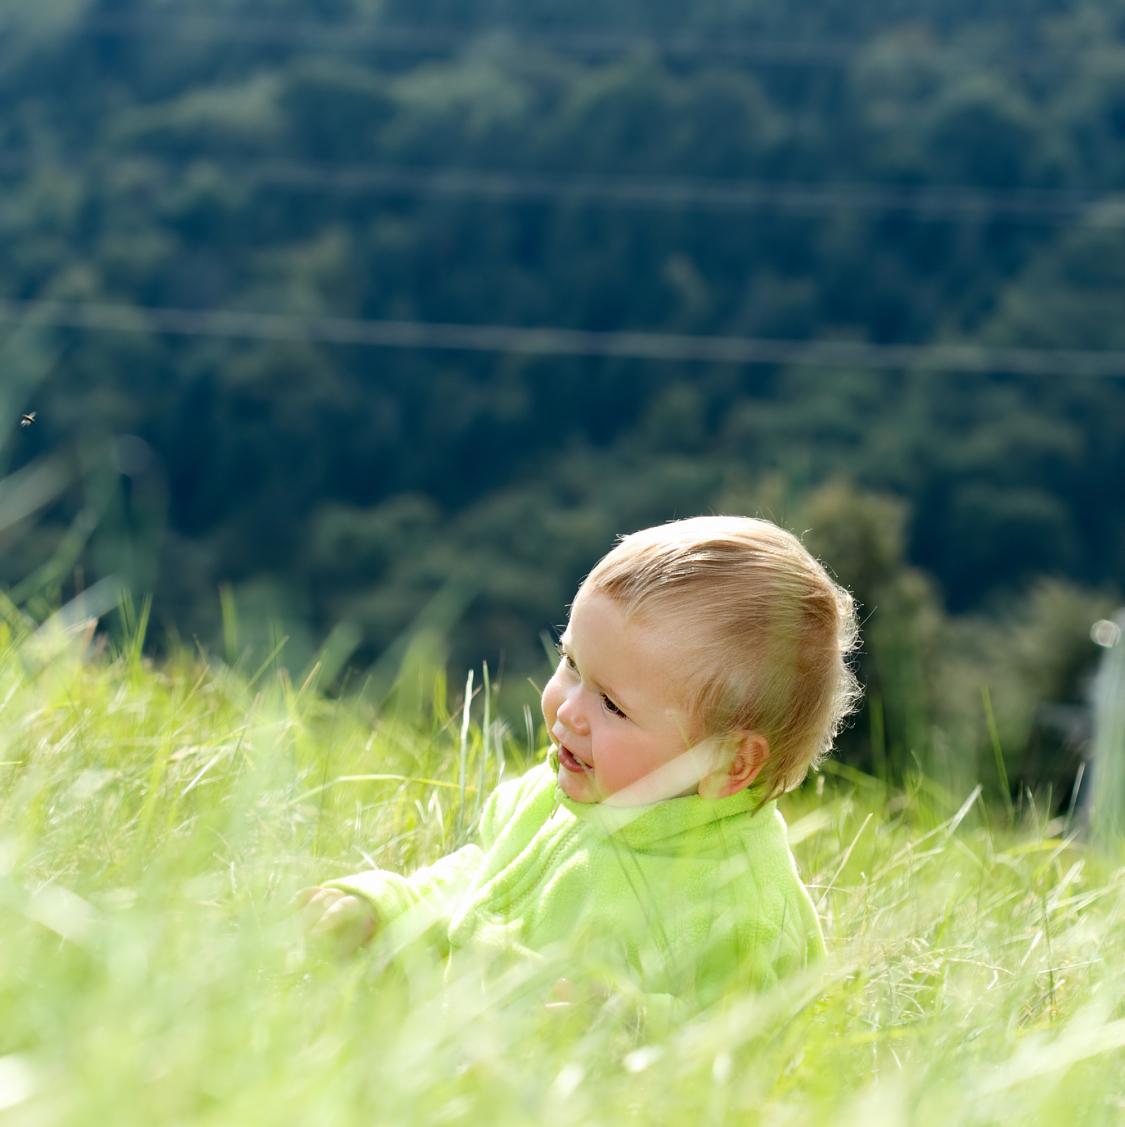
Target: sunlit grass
column 155, row 823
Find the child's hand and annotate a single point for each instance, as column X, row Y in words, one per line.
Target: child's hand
column 566, row 995
column 342, row 921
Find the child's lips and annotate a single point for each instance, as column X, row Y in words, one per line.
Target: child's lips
column 571, row 761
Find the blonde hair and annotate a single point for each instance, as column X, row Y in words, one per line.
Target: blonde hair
column 766, row 631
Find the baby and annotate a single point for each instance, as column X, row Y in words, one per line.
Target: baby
column 702, row 673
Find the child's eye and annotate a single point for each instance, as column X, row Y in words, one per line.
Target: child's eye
column 568, row 661
column 609, row 706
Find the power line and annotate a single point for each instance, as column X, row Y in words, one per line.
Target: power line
column 937, row 203
column 553, row 340
column 449, row 39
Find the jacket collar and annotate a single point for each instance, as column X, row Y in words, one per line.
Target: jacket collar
column 663, row 823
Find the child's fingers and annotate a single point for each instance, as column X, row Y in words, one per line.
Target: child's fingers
column 343, row 914
column 346, row 920
column 336, row 918
column 565, row 994
column 562, row 993
column 303, row 897
column 315, row 904
column 317, row 899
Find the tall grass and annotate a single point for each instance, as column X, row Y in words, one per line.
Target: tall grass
column 155, row 823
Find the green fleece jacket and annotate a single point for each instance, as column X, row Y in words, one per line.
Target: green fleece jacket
column 688, row 896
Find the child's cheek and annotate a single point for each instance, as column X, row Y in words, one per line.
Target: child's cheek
column 552, row 698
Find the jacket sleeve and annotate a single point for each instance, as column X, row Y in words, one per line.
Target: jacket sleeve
column 422, row 905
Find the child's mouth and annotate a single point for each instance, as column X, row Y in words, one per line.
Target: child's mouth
column 571, row 762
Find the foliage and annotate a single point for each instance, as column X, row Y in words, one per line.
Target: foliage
column 940, row 176
column 156, row 820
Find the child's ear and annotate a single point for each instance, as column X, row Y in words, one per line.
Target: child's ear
column 741, row 766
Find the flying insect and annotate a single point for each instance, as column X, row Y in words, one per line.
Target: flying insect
column 27, row 418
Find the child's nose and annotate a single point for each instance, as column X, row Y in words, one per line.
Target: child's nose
column 573, row 714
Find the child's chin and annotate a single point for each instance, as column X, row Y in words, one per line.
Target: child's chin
column 578, row 788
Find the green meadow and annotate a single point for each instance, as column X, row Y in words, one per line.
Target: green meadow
column 157, row 820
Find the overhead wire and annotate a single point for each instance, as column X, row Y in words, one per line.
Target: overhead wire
column 353, row 36
column 942, row 202
column 439, row 39
column 556, row 340
column 926, row 202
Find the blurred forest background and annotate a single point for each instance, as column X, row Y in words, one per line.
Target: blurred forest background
column 375, row 313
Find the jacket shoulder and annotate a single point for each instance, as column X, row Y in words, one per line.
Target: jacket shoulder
column 512, row 798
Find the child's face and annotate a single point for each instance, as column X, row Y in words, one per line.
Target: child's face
column 612, row 707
